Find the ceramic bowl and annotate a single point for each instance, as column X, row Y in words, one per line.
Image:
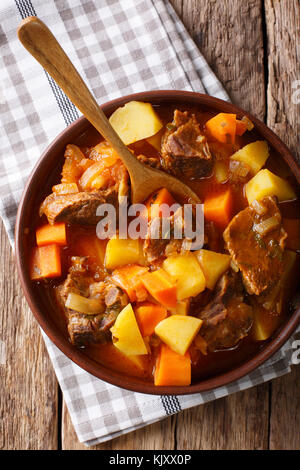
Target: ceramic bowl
column 46, row 173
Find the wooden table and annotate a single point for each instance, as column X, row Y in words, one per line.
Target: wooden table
column 253, row 47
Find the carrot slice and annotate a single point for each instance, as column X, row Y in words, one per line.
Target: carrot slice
column 162, row 288
column 48, row 234
column 45, row 262
column 221, row 126
column 292, row 227
column 172, row 368
column 155, row 202
column 148, row 316
column 35, row 265
column 129, row 279
column 218, row 209
column 92, row 246
column 241, row 127
column 86, row 163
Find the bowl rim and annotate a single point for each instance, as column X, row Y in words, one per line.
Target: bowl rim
column 76, row 355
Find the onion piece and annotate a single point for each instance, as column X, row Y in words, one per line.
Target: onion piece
column 234, row 266
column 101, row 180
column 83, row 305
column 65, row 188
column 239, row 169
column 266, row 225
column 102, row 150
column 259, row 208
column 91, row 173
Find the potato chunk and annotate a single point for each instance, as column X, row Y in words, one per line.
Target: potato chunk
column 178, row 332
column 126, row 334
column 264, row 324
column 187, row 273
column 254, row 155
column 265, row 183
column 155, row 140
column 135, row 121
column 120, row 252
column 213, row 265
column 182, row 308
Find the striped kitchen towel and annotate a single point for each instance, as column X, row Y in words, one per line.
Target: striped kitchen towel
column 119, row 47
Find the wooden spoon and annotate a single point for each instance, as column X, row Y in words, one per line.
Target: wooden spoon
column 40, row 42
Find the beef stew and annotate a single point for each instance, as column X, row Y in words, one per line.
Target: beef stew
column 202, row 313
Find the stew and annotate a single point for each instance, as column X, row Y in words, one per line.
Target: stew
column 158, row 307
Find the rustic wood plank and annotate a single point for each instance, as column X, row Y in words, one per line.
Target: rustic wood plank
column 285, row 412
column 283, row 29
column 28, row 398
column 239, row 421
column 158, row 436
column 229, row 34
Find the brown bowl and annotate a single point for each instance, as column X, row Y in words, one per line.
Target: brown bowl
column 41, row 180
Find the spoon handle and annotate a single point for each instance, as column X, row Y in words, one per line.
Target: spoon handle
column 42, row 45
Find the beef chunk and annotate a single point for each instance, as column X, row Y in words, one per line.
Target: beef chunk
column 154, row 249
column 258, row 255
column 81, row 207
column 84, row 329
column 273, row 299
column 184, row 148
column 226, row 318
column 113, row 296
column 165, row 245
column 150, row 161
column 76, row 208
column 78, row 280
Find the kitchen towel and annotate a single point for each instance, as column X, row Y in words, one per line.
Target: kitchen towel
column 119, row 47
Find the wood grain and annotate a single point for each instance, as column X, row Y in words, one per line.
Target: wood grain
column 229, row 35
column 28, row 398
column 159, row 435
column 239, row 421
column 283, row 32
column 283, row 116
